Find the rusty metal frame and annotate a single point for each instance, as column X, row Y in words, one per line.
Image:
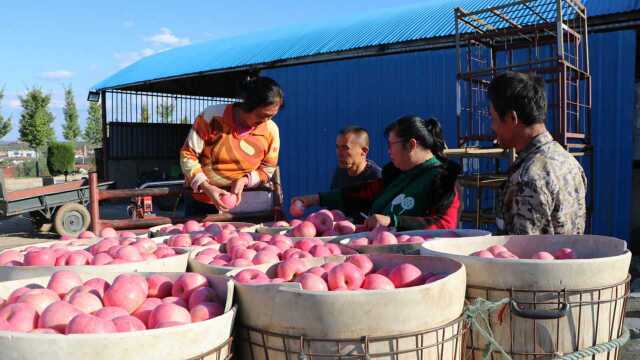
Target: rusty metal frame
column 557, row 296
column 458, row 332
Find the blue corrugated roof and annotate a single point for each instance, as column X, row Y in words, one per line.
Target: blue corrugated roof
column 387, row 26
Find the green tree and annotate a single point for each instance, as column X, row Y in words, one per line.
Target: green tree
column 5, row 123
column 144, row 114
column 165, row 111
column 93, row 130
column 60, row 158
column 71, row 127
column 36, row 121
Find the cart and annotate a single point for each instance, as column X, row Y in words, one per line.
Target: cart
column 64, row 205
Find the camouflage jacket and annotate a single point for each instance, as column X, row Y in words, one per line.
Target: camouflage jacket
column 544, row 192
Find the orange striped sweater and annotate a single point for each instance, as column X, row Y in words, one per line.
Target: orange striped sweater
column 215, row 152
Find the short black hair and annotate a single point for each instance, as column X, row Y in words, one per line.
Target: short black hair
column 522, row 93
column 357, row 131
column 259, row 91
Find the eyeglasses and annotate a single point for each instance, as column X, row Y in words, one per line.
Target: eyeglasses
column 391, row 143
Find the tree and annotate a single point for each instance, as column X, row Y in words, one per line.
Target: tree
column 36, row 119
column 60, row 158
column 93, row 130
column 165, row 111
column 5, row 123
column 71, row 127
column 144, row 115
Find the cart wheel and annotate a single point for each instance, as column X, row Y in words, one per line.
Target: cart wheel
column 71, row 219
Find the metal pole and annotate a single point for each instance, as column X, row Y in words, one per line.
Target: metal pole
column 94, row 209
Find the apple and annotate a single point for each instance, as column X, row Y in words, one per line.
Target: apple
column 108, row 232
column 89, row 324
column 289, row 268
column 103, row 245
column 542, row 255
column 505, row 255
column 202, row 295
column 362, row 262
column 128, row 323
column 126, row 294
column 77, row 258
column 405, row 275
column 42, row 257
column 483, row 253
column 241, row 263
column 181, row 240
column 63, row 280
column 266, row 256
column 322, row 220
column 251, row 277
column 495, row 249
column 334, row 249
column 229, row 200
column 338, row 215
column 164, row 252
column 160, row 286
column 21, row 317
column 344, row 227
column 98, row 284
column 145, row 246
column 15, row 294
column 385, row 238
column 102, row 259
column 205, row 311
column 8, row 256
column 312, row 282
column 176, row 301
column 295, row 222
column 305, row 229
column 361, row 241
column 57, row 315
column 85, row 302
column 564, row 254
column 377, row 282
column 111, row 312
column 296, row 209
column 38, row 298
column 320, row 251
column 345, row 276
column 145, row 309
column 187, row 283
column 168, row 313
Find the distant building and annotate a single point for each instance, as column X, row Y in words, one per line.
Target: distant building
column 21, row 154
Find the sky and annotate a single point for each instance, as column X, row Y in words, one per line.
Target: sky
column 53, row 44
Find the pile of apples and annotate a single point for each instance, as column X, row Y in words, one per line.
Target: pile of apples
column 193, row 228
column 382, row 236
column 501, row 252
column 108, row 250
column 356, row 273
column 243, row 250
column 131, row 303
column 323, row 223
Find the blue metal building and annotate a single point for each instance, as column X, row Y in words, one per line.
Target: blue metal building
column 371, row 69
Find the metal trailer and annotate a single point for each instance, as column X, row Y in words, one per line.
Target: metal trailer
column 64, row 205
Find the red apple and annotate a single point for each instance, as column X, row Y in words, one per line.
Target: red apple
column 564, row 254
column 111, row 312
column 495, row 249
column 229, row 200
column 64, row 280
column 385, row 271
column 241, row 263
column 312, row 282
column 98, row 284
column 344, row 227
column 205, row 311
column 57, row 315
column 85, row 302
column 334, row 249
column 305, row 229
column 187, row 283
column 176, row 301
column 168, row 313
column 89, row 324
column 505, row 255
column 145, row 309
column 251, row 277
column 128, row 323
column 8, row 256
column 102, row 259
column 191, row 225
column 160, row 286
column 145, row 246
column 86, row 235
column 384, row 238
column 361, row 261
column 39, row 298
column 266, row 256
column 290, row 268
column 338, row 215
column 202, row 295
column 42, row 257
column 15, row 294
column 109, row 232
column 126, row 294
column 21, row 317
column 345, row 276
column 296, row 209
column 377, row 282
column 164, row 252
column 322, row 220
column 320, row 251
column 542, row 255
column 405, row 275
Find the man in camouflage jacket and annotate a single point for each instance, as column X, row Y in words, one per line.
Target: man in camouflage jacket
column 546, row 187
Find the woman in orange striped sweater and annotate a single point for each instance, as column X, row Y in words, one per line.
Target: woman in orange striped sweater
column 232, row 146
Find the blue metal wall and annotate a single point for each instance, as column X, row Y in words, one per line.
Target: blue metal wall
column 323, row 97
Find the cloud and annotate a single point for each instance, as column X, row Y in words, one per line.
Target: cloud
column 14, row 103
column 128, row 24
column 127, row 58
column 56, row 75
column 166, row 37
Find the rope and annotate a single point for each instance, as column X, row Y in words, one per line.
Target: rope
column 479, row 311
